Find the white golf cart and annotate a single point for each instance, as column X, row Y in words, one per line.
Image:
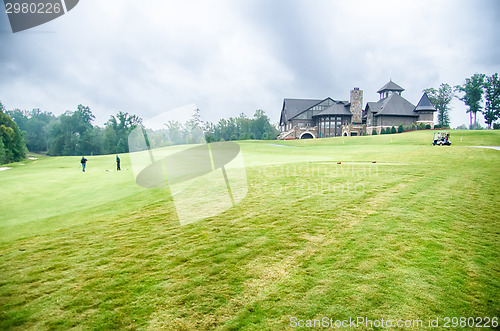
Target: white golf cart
column 441, row 138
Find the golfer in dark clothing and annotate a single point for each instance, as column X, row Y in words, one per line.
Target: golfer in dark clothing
column 83, row 161
column 118, row 163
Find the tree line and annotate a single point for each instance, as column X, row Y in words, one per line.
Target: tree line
column 471, row 93
column 73, row 132
column 195, row 130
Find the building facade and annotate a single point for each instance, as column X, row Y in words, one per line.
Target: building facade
column 312, row 118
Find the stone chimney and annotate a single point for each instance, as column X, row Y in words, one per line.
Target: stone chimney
column 357, row 105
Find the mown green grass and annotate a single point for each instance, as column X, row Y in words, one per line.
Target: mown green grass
column 413, row 236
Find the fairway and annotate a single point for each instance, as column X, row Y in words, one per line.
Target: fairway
column 413, row 236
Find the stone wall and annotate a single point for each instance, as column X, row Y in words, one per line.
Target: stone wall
column 296, row 132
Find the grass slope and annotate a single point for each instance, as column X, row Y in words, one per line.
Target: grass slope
column 413, row 236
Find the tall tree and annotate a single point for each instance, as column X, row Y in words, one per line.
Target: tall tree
column 492, row 95
column 473, row 89
column 73, row 134
column 13, row 147
column 441, row 99
column 117, row 130
column 262, row 126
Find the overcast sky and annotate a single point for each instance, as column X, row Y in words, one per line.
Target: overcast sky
column 228, row 57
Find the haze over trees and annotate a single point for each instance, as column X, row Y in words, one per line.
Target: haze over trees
column 195, row 130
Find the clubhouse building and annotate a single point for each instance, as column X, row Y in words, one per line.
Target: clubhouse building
column 312, row 118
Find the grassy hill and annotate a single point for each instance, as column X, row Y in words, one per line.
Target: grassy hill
column 413, row 236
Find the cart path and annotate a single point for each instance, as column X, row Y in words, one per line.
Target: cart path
column 491, row 147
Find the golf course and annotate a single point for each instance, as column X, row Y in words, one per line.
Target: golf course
column 379, row 227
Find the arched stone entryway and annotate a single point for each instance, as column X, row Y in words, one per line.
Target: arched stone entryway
column 307, row 135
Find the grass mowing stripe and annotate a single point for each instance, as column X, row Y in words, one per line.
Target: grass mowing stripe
column 418, row 238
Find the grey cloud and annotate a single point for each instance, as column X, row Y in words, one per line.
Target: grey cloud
column 232, row 57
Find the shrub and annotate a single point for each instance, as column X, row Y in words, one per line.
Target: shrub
column 427, row 126
column 233, row 137
column 374, row 132
column 421, row 126
column 265, row 136
column 437, row 126
column 401, row 128
column 393, row 129
column 251, row 135
column 496, row 126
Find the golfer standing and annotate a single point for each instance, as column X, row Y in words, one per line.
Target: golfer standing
column 83, row 161
column 118, row 163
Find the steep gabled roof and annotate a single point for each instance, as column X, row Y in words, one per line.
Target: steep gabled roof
column 391, row 86
column 393, row 105
column 297, row 106
column 294, row 107
column 375, row 107
column 425, row 104
column 338, row 108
